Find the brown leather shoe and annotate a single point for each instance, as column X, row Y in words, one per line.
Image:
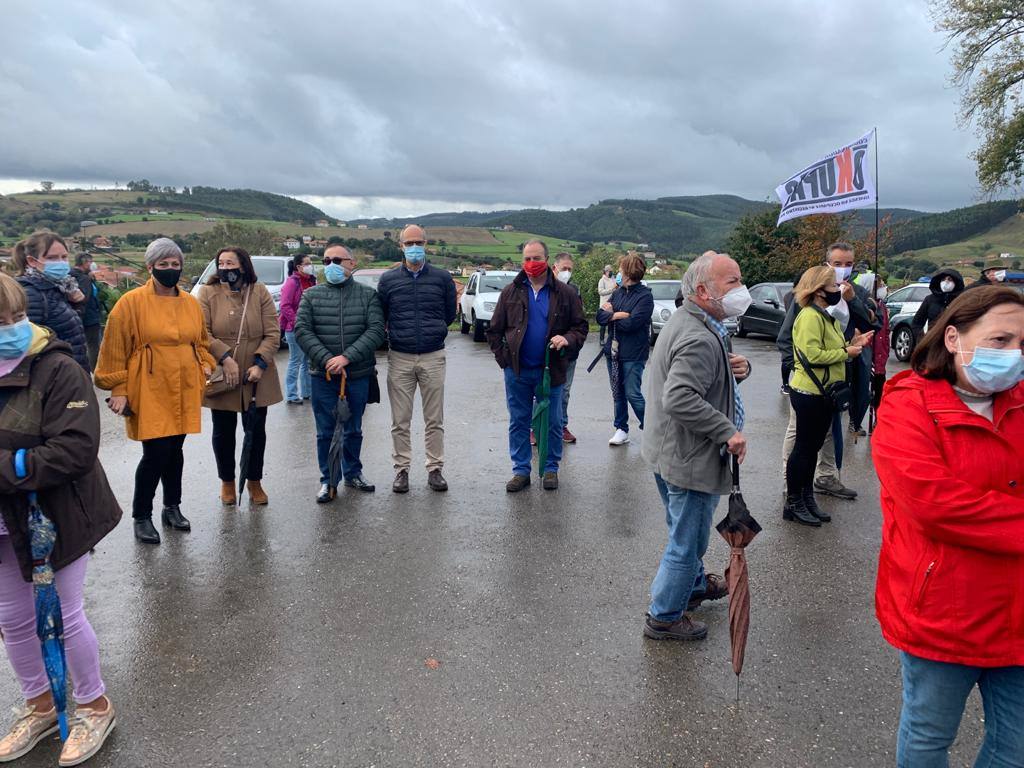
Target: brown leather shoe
column 257, row 496
column 227, row 493
column 436, row 480
column 401, row 484
column 550, row 481
column 717, row 589
column 684, row 628
column 517, row 483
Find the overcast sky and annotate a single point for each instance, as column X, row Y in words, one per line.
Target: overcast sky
column 396, row 108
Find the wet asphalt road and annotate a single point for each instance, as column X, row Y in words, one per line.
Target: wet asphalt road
column 300, row 634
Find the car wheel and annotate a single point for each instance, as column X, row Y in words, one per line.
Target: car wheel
column 903, row 343
column 463, row 325
column 478, row 330
column 740, row 330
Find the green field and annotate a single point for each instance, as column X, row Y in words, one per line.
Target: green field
column 1008, row 237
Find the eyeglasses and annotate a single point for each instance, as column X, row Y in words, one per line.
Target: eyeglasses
column 415, row 242
column 339, row 260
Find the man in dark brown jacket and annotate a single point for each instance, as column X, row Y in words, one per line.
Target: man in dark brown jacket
column 537, row 317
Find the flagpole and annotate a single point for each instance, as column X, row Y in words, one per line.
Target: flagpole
column 876, row 203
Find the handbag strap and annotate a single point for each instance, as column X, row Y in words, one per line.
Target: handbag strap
column 241, row 323
column 809, row 370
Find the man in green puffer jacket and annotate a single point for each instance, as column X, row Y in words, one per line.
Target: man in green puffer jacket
column 339, row 326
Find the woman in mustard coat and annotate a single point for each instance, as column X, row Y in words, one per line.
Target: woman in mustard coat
column 242, row 324
column 155, row 359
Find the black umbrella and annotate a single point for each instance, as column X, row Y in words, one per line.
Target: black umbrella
column 248, row 426
column 342, row 413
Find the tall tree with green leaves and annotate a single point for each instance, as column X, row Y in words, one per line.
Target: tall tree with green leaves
column 987, row 37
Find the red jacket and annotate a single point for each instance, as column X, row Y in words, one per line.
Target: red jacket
column 951, row 569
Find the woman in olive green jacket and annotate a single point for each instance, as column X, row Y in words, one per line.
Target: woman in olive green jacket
column 818, row 339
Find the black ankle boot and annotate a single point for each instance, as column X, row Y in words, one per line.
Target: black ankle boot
column 796, row 510
column 812, row 506
column 145, row 533
column 172, row 518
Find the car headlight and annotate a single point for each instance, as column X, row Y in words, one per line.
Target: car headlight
column 665, row 314
column 489, row 306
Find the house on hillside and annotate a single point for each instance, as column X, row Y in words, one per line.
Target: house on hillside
column 649, row 256
column 307, row 239
column 466, row 270
column 642, row 247
column 292, row 244
column 508, row 228
column 508, row 266
column 100, row 241
column 323, row 223
column 210, row 218
column 362, row 226
column 341, row 224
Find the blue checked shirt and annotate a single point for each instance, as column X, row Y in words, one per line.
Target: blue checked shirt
column 739, row 416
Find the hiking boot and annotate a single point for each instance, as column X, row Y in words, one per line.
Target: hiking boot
column 812, row 506
column 145, row 533
column 797, row 511
column 360, row 483
column 619, row 438
column 832, row 486
column 684, row 628
column 29, row 728
column 401, row 484
column 436, row 480
column 87, row 732
column 716, row 589
column 550, row 481
column 567, row 436
column 517, row 483
column 171, row 517
column 227, row 493
column 257, row 496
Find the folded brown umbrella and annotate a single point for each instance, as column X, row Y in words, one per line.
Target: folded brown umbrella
column 738, row 528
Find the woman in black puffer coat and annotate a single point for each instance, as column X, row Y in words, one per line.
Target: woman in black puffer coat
column 945, row 285
column 40, row 263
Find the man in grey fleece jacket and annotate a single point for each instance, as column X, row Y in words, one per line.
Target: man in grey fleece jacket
column 694, row 421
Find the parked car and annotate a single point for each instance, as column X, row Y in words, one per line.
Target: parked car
column 767, row 310
column 665, row 292
column 368, row 277
column 903, row 305
column 479, row 300
column 270, row 270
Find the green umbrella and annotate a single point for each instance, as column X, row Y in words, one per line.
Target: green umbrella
column 542, row 413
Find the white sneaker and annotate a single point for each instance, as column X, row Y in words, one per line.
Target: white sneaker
column 619, row 438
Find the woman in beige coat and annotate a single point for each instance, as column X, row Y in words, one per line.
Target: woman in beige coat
column 244, row 336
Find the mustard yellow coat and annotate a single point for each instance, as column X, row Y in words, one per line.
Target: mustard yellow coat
column 154, row 351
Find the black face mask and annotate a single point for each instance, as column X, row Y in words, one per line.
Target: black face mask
column 833, row 297
column 232, row 277
column 168, row 278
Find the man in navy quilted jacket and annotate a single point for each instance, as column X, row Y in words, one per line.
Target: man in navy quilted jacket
column 419, row 305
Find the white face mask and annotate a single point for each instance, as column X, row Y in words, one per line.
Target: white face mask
column 308, row 270
column 882, row 293
column 999, row 276
column 843, row 273
column 947, row 286
column 564, row 276
column 735, row 302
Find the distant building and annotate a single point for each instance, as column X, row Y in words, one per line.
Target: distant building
column 508, row 228
column 642, row 247
column 101, row 242
column 307, row 239
column 362, row 226
column 209, row 218
column 341, row 224
column 323, row 223
column 292, row 244
column 649, row 256
column 1005, row 255
column 155, row 212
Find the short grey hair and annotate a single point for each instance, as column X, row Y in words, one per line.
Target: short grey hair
column 698, row 273
column 541, row 243
column 563, row 257
column 162, row 248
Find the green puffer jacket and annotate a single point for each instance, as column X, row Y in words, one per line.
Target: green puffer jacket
column 344, row 319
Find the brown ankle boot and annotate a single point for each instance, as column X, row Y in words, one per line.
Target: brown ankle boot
column 227, row 493
column 257, row 496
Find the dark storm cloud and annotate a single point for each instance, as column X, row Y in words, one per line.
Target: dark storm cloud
column 535, row 102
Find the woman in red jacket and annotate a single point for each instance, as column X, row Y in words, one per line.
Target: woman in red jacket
column 300, row 277
column 950, row 591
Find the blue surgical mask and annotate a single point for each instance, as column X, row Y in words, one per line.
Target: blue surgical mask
column 618, row 279
column 993, row 370
column 415, row 254
column 843, row 273
column 58, row 270
column 14, row 339
column 335, row 273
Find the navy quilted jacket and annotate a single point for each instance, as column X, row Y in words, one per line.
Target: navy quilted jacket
column 48, row 306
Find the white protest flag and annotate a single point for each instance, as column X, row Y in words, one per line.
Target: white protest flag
column 838, row 182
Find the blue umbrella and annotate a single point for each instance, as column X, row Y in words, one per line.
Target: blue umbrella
column 49, row 621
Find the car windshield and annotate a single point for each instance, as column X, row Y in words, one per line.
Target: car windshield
column 269, row 271
column 370, row 280
column 665, row 291
column 494, row 283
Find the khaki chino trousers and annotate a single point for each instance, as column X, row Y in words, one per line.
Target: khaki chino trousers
column 406, row 372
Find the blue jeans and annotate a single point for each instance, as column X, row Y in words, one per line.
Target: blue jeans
column 570, row 374
column 934, row 694
column 681, row 573
column 520, row 393
column 296, row 379
column 325, row 400
column 629, row 393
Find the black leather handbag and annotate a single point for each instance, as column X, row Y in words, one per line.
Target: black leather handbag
column 839, row 394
